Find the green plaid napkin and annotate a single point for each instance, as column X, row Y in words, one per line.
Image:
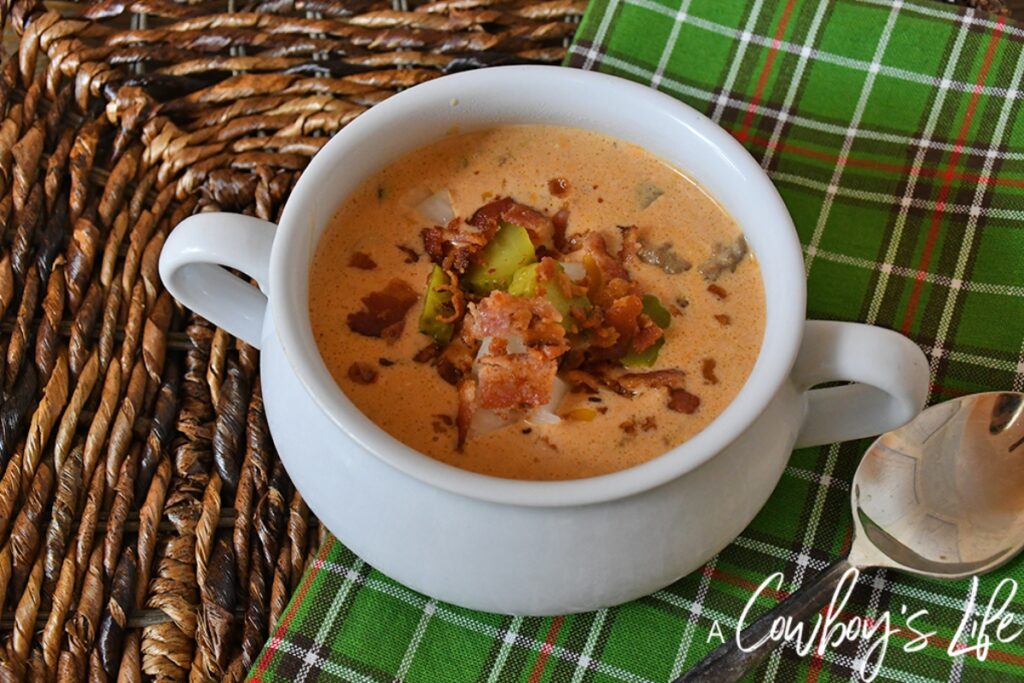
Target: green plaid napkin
column 895, row 134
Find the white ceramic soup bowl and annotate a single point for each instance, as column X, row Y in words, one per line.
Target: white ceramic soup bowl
column 527, row 547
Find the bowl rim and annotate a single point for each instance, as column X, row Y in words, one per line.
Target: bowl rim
column 783, row 325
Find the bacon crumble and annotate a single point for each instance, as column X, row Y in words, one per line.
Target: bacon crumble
column 362, row 373
column 362, row 261
column 559, row 187
column 682, row 401
column 383, row 313
column 718, row 291
column 707, row 370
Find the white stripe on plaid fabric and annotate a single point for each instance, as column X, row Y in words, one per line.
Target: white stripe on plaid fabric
column 670, row 44
column 695, row 613
column 442, row 612
column 889, row 199
column 931, row 278
column 797, row 121
column 311, row 659
column 878, row 586
column 848, row 139
column 915, row 170
column 327, row 625
column 734, row 67
column 794, row 84
column 816, row 478
column 829, row 57
column 414, row 644
column 506, row 646
column 803, row 558
column 1018, row 379
column 972, row 359
column 957, row 670
column 967, row 246
column 585, row 660
column 602, row 29
column 932, row 10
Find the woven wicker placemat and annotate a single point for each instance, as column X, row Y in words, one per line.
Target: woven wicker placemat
column 147, row 528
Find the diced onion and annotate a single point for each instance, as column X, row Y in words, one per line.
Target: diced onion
column 514, row 344
column 437, row 208
column 486, row 421
column 485, row 346
column 574, row 270
column 545, row 414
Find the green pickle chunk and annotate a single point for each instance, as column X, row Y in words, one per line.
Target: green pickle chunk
column 509, row 250
column 525, row 282
column 662, row 318
column 437, row 303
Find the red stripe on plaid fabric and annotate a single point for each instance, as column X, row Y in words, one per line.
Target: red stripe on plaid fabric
column 947, row 182
column 545, row 649
column 762, row 80
column 818, row 659
column 282, row 629
column 740, row 582
column 875, row 165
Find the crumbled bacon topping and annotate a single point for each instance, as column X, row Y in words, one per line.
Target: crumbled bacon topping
column 467, row 407
column 362, row 261
column 671, row 378
column 718, row 291
column 533, row 320
column 519, row 381
column 411, row 255
column 585, row 314
column 682, row 401
column 630, row 243
column 383, row 313
column 362, row 373
column 606, row 267
column 559, row 224
column 707, row 370
column 453, row 246
column 559, row 187
column 488, row 219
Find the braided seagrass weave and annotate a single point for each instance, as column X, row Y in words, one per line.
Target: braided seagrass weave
column 147, row 528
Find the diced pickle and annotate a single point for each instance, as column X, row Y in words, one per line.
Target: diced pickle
column 662, row 318
column 437, row 303
column 509, row 250
column 525, row 282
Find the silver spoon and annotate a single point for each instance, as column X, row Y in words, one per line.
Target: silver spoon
column 942, row 497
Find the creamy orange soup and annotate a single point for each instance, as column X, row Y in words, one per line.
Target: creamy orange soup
column 716, row 306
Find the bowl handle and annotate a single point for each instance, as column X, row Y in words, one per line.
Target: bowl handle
column 889, row 371
column 194, row 262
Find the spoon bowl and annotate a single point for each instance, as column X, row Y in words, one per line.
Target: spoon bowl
column 943, row 496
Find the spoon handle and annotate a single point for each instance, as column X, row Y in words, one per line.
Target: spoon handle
column 728, row 663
